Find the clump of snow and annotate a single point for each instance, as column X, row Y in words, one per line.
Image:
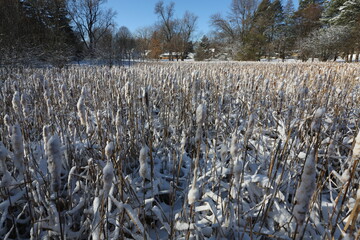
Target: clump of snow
column 193, row 195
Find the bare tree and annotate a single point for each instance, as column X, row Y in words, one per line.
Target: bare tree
column 90, row 20
column 143, row 39
column 168, row 24
column 124, row 43
column 187, row 28
column 238, row 22
column 105, row 48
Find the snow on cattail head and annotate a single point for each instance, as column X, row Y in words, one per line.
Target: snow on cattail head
column 316, row 122
column 16, row 102
column 200, row 114
column 356, row 149
column 3, row 154
column 127, row 91
column 54, row 161
column 109, row 149
column 108, row 175
column 193, row 194
column 81, row 107
column 144, row 171
column 223, row 152
column 46, row 131
column 63, row 92
column 8, row 123
column 183, row 140
column 234, row 149
column 306, row 189
column 18, row 148
column 24, row 104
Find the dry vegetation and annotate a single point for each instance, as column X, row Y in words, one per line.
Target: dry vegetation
column 177, row 151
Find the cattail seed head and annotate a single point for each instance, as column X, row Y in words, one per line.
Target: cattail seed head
column 356, row 149
column 18, row 148
column 200, row 114
column 81, row 107
column 16, row 102
column 109, row 149
column 3, row 153
column 54, row 161
column 193, row 195
column 234, row 149
column 306, row 189
column 108, row 175
column 144, row 171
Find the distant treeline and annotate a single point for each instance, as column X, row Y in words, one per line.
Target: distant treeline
column 268, row 29
column 61, row 31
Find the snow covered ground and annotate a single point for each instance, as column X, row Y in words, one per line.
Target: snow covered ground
column 181, row 150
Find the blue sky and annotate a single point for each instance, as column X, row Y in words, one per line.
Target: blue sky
column 140, row 13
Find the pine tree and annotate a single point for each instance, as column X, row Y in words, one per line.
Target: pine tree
column 349, row 13
column 203, row 50
column 307, row 17
column 332, row 9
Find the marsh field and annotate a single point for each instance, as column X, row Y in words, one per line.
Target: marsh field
column 181, row 151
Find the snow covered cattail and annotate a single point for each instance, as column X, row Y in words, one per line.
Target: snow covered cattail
column 24, row 104
column 81, row 107
column 198, row 135
column 144, row 171
column 18, row 148
column 63, row 92
column 234, row 149
column 118, row 123
column 200, row 114
column 54, row 161
column 16, row 102
column 183, row 141
column 96, row 230
column 127, row 90
column 250, row 126
column 223, row 152
column 316, row 122
column 108, row 175
column 145, row 97
column 89, row 124
column 356, row 149
column 7, row 123
column 306, row 189
column 46, row 131
column 3, row 154
column 193, row 194
column 109, row 150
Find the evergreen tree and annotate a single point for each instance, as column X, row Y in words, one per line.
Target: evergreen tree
column 202, row 52
column 307, row 17
column 287, row 31
column 332, row 9
column 36, row 30
column 349, row 15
